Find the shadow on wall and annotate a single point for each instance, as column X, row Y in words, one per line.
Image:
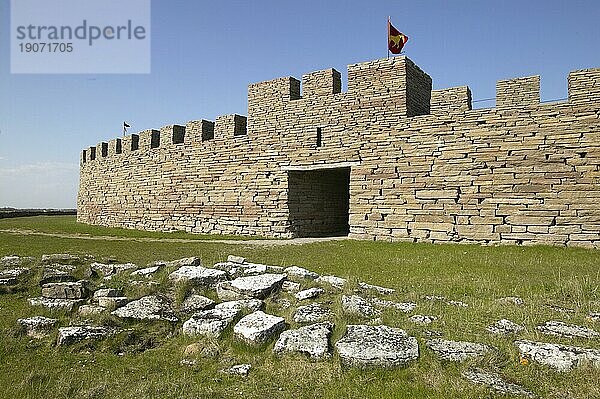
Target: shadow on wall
column 318, row 202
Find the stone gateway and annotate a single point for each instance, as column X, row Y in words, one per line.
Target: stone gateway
column 389, row 159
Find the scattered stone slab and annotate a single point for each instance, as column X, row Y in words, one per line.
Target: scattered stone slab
column 239, row 369
column 60, row 258
column 560, row 309
column 309, row 293
column 52, row 275
column 312, row 313
column 195, row 302
column 505, row 327
column 14, row 273
column 422, row 319
column 37, row 326
column 559, row 357
column 496, row 382
column 290, row 286
column 107, row 292
column 333, row 281
column 511, row 300
column 300, row 273
column 457, row 351
column 236, row 259
column 249, row 305
column 210, row 323
column 259, row 286
column 253, row 269
column 376, row 288
column 147, row 271
column 112, row 302
column 110, row 269
column 56, row 303
column 147, row 308
column 356, row 305
column 14, row 260
column 561, row 329
column 90, row 310
column 192, row 261
column 259, row 327
column 312, row 341
column 64, row 267
column 71, row 290
column 198, row 275
column 405, row 307
column 380, row 346
column 226, row 293
column 71, row 335
column 459, row 304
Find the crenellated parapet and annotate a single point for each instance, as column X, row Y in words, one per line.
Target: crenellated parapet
column 395, row 86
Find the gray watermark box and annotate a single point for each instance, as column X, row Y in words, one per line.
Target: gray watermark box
column 80, row 36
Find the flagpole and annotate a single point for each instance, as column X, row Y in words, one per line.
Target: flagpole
column 388, row 37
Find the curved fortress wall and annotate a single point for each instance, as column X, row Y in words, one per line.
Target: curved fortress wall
column 389, row 159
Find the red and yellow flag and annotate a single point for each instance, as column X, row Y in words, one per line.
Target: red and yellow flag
column 396, row 39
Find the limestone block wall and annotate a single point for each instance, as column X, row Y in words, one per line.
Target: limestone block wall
column 423, row 165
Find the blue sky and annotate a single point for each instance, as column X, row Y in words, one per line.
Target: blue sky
column 204, row 54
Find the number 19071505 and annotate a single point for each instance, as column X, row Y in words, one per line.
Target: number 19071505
column 46, row 47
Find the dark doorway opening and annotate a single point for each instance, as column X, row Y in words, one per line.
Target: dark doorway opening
column 319, row 202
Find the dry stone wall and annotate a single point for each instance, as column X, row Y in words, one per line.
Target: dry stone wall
column 423, row 165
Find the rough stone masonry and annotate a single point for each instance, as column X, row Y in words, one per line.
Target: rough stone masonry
column 389, row 159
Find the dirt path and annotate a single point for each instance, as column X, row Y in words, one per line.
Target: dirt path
column 293, row 241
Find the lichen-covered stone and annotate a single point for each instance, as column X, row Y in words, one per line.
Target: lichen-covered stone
column 259, row 286
column 332, row 281
column 259, row 327
column 380, row 346
column 210, row 323
column 567, row 330
column 295, row 272
column 71, row 335
column 559, row 357
column 496, row 382
column 505, row 327
column 312, row 340
column 52, row 275
column 356, row 305
column 376, row 288
column 457, row 351
column 198, row 275
column 405, row 307
column 422, row 319
column 70, row 290
column 37, row 326
column 312, row 313
column 195, row 302
column 310, row 293
column 56, row 303
column 147, row 308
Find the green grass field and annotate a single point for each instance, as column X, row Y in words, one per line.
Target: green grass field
column 144, row 361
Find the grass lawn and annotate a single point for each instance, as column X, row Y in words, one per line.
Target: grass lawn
column 144, row 361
